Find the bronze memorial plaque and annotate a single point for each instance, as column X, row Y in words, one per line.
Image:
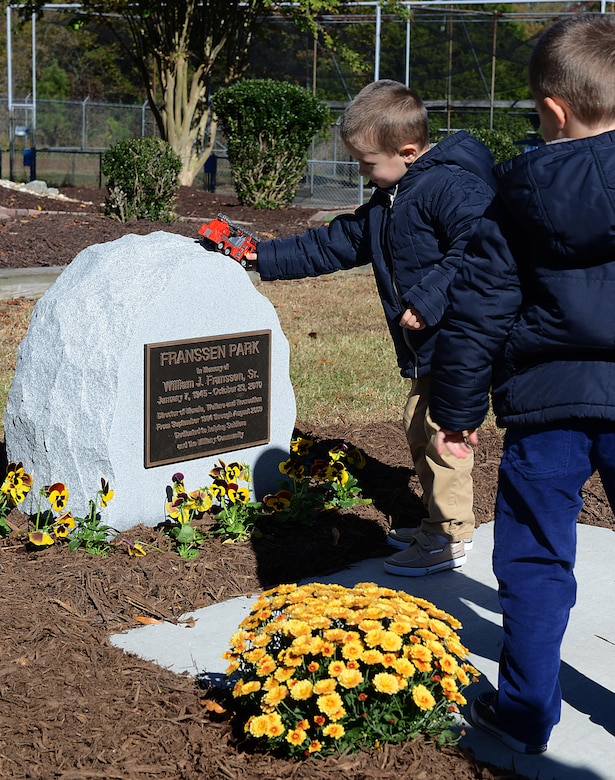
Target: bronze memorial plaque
column 205, row 396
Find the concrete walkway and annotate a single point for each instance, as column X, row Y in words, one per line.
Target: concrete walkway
column 26, row 282
column 582, row 745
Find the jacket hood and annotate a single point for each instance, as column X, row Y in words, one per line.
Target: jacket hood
column 563, row 195
column 462, row 150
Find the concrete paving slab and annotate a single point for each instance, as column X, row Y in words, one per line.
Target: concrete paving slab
column 582, row 745
column 27, row 282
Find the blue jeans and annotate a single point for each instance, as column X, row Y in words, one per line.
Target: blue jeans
column 541, row 474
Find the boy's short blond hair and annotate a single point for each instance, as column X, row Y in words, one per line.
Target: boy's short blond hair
column 575, row 60
column 385, row 116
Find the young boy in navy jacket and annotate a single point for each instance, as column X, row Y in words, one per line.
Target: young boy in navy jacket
column 414, row 229
column 533, row 317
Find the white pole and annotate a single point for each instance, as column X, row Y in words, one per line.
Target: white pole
column 377, row 49
column 33, row 123
column 408, row 33
column 9, row 58
column 9, row 67
column 84, row 134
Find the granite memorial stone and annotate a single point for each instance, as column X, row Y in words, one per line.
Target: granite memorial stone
column 150, row 355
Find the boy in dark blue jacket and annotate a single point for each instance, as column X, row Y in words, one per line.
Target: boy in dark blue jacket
column 533, row 316
column 413, row 230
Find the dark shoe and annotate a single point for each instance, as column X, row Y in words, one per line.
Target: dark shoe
column 482, row 714
column 401, row 538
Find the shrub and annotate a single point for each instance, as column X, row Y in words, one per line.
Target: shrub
column 268, row 126
column 323, row 669
column 142, row 179
column 499, row 143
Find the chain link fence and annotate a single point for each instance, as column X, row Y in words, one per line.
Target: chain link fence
column 71, row 138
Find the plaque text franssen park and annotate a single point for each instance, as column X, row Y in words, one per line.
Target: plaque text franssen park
column 206, row 396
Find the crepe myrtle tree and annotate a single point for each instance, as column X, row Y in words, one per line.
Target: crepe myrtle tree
column 175, row 46
column 178, row 48
column 268, row 127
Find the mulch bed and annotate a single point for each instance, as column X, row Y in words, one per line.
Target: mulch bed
column 45, row 231
column 72, row 706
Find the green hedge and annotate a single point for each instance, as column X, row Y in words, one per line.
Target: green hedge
column 142, row 179
column 268, row 127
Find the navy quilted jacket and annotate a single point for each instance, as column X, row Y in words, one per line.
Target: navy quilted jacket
column 414, row 237
column 533, row 309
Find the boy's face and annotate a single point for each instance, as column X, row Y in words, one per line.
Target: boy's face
column 383, row 168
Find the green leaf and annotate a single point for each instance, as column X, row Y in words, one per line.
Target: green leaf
column 185, row 535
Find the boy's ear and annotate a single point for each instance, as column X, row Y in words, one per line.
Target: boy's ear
column 560, row 110
column 410, row 152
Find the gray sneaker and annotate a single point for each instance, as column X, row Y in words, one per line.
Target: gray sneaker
column 400, row 538
column 427, row 554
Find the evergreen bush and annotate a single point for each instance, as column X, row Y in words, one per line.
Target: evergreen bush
column 499, row 143
column 142, row 179
column 268, row 127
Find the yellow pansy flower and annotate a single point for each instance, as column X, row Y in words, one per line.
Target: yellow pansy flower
column 301, row 445
column 57, row 495
column 106, row 494
column 63, row 525
column 40, row 538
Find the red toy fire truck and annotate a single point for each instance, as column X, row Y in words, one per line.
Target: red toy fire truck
column 229, row 238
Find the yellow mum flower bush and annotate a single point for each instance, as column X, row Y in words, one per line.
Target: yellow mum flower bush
column 319, row 669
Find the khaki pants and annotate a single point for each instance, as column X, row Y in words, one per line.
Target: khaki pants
column 446, row 480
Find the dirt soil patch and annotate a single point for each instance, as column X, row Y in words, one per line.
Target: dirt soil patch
column 72, row 706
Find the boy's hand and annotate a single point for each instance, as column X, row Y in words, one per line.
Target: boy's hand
column 251, row 258
column 412, row 320
column 456, row 442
